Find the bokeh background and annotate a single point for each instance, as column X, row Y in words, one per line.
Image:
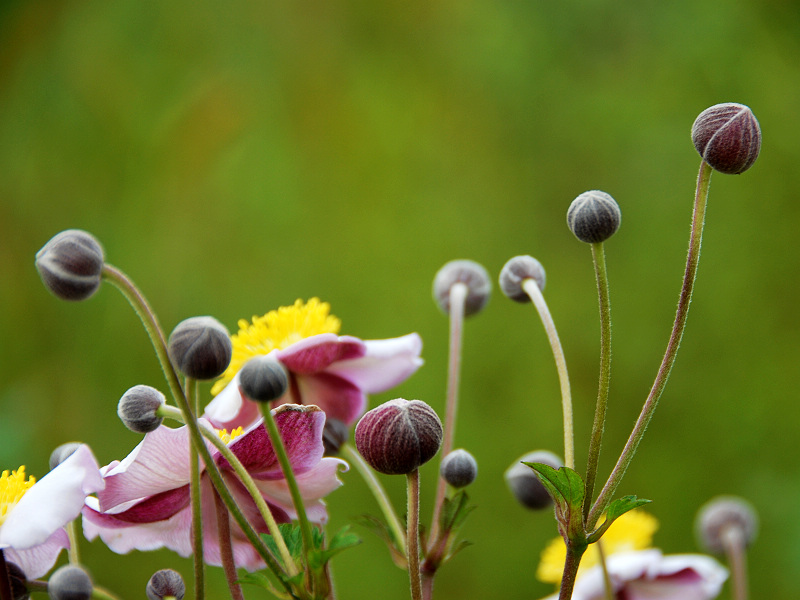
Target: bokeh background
column 235, row 156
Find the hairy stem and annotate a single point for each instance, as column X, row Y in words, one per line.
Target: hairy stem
column 413, row 535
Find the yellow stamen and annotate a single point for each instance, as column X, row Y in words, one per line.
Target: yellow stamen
column 12, row 489
column 277, row 329
column 229, row 437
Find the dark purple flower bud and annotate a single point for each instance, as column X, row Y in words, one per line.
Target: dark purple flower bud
column 398, row 436
column 728, row 137
column 137, row 408
column 459, row 468
column 472, row 275
column 200, row 348
column 71, row 264
column 524, row 482
column 263, row 379
column 593, row 217
column 70, row 582
column 165, row 583
column 334, row 434
column 62, row 453
column 722, row 516
column 515, row 272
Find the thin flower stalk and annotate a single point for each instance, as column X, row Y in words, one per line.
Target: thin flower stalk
column 571, row 564
column 226, row 550
column 197, row 509
column 413, row 535
column 73, row 553
column 734, row 542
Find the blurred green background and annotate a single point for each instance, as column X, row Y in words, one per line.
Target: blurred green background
column 235, row 156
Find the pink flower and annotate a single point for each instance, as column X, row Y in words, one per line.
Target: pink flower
column 32, row 524
column 146, row 503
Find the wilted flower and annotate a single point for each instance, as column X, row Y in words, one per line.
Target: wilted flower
column 330, row 371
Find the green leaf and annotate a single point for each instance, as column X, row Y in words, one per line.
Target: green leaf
column 564, row 485
column 614, row 511
column 454, row 511
column 342, row 540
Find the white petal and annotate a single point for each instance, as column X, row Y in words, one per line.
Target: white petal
column 386, row 364
column 38, row 560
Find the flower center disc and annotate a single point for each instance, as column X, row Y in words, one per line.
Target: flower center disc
column 12, row 489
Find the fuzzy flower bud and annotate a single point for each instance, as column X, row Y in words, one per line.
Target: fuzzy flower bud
column 334, row 434
column 516, row 271
column 593, row 216
column 459, row 468
column 724, row 514
column 398, row 436
column 472, row 275
column 524, row 482
column 70, row 582
column 263, row 379
column 728, row 137
column 137, row 408
column 200, row 348
column 62, row 453
column 165, row 583
column 70, row 264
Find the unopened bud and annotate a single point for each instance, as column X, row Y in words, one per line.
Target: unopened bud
column 62, row 453
column 263, row 379
column 200, row 348
column 70, row 582
column 459, row 468
column 728, row 137
column 472, row 275
column 137, row 408
column 71, row 264
column 515, row 272
column 723, row 515
column 524, row 482
column 593, row 217
column 165, row 583
column 398, row 436
column 334, row 434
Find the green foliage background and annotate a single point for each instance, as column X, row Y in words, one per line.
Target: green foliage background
column 235, row 156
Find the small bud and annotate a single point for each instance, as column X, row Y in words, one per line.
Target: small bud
column 524, row 482
column 721, row 515
column 62, row 453
column 593, row 216
column 263, row 379
column 70, row 582
column 517, row 270
column 459, row 468
column 17, row 579
column 70, row 264
column 165, row 583
column 200, row 347
column 398, row 436
column 728, row 137
column 471, row 274
column 137, row 408
column 334, row 434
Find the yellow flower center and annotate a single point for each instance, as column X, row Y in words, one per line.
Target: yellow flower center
column 12, row 489
column 229, row 437
column 632, row 531
column 278, row 329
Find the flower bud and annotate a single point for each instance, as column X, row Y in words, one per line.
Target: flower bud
column 70, row 264
column 17, row 579
column 62, row 453
column 593, row 217
column 334, row 434
column 728, row 137
column 263, row 379
column 70, row 582
column 200, row 348
column 725, row 514
column 459, row 468
column 516, row 271
column 398, row 436
column 472, row 275
column 524, row 482
column 137, row 408
column 165, row 583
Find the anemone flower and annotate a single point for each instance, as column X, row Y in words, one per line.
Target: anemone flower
column 33, row 514
column 146, row 503
column 327, row 370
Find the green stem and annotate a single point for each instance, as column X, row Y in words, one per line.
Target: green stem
column 599, row 258
column 733, row 541
column 413, row 535
column 607, row 585
column 690, row 274
column 571, row 564
column 197, row 509
column 74, row 555
column 99, row 593
column 226, row 550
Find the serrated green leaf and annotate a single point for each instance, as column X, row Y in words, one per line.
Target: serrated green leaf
column 342, row 540
column 614, row 511
column 564, row 484
column 454, row 511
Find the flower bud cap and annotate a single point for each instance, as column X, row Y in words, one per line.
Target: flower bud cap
column 593, row 217
column 62, row 453
column 334, row 434
column 263, row 379
column 524, row 483
column 472, row 275
column 71, row 264
column 459, row 468
column 70, row 582
column 200, row 348
column 137, row 408
column 164, row 584
column 728, row 137
column 722, row 514
column 516, row 271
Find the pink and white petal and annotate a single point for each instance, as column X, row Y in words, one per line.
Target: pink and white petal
column 52, row 502
column 337, row 397
column 316, row 353
column 386, row 363
column 622, row 568
column 698, row 576
column 231, row 409
column 314, row 484
column 37, row 560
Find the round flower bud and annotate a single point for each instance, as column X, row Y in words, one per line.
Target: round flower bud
column 70, row 582
column 723, row 514
column 472, row 275
column 524, row 482
column 459, row 468
column 70, row 264
column 593, row 216
column 62, row 453
column 398, row 436
column 200, row 348
column 515, row 272
column 165, row 583
column 728, row 137
column 263, row 379
column 334, row 434
column 137, row 408
column 17, row 579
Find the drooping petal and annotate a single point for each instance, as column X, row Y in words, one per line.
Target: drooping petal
column 38, row 560
column 337, row 397
column 230, row 409
column 318, row 352
column 52, row 502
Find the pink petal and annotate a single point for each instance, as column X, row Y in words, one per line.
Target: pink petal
column 386, row 363
column 337, row 397
column 315, row 353
column 37, row 560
